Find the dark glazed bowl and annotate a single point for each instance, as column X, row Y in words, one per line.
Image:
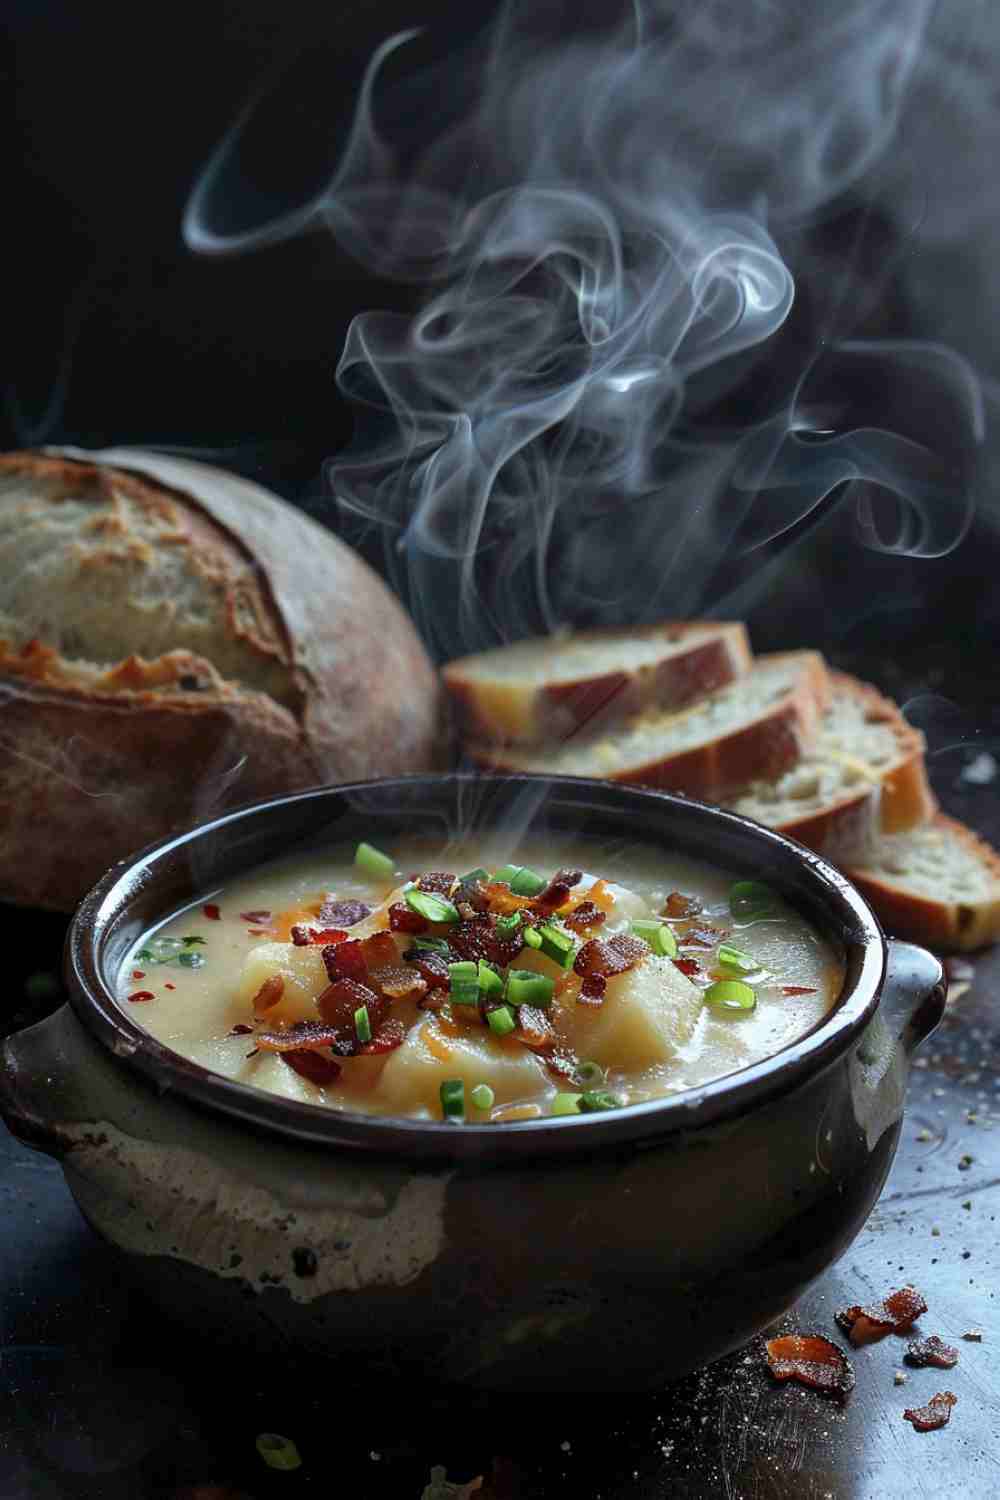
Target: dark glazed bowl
column 598, row 1252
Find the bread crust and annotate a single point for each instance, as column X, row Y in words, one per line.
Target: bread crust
column 763, row 748
column 508, row 711
column 949, row 926
column 98, row 759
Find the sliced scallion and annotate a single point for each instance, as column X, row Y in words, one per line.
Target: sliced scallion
column 482, row 1096
column 501, row 1021
column 657, row 934
column 473, row 876
column 735, row 959
column 430, row 905
column 190, row 960
column 598, row 1099
column 431, row 945
column 532, row 937
column 464, row 978
column 751, row 900
column 278, row 1452
column 528, row 883
column 374, row 863
column 362, row 1024
column 453, row 1099
column 506, row 873
column 731, row 995
column 557, row 945
column 525, row 987
column 490, row 982
column 566, row 1104
column 509, row 926
column 590, row 1074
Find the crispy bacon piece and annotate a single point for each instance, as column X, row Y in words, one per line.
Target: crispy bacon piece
column 269, row 994
column 138, row 997
column 797, row 989
column 937, row 1412
column 432, row 967
column 314, row 1066
column 894, row 1314
column 256, row 918
column 340, row 1000
column 678, row 905
column 931, row 1351
column 345, row 960
column 240, row 1029
column 438, row 881
column 380, row 950
column 300, row 1036
column 304, row 936
column 702, row 937
column 587, row 914
column 561, row 1063
column 609, row 956
column 212, row 912
column 534, row 1028
column 168, row 986
column 390, row 1035
column 343, row 913
column 558, row 890
column 398, row 982
column 813, row 1361
column 403, row 918
column 477, row 937
column 592, row 990
column 688, row 966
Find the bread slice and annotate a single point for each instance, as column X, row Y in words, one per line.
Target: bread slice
column 865, row 777
column 758, row 727
column 938, row 884
column 552, row 688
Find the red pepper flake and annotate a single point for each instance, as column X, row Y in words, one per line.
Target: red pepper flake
column 931, row 1351
column 313, row 1066
column 140, row 995
column 168, row 986
column 241, row 1030
column 813, row 1361
column 937, row 1412
column 256, row 918
column 212, row 912
column 797, row 989
column 688, row 966
column 269, row 994
column 304, row 936
column 138, row 973
column 343, row 913
column 403, row 918
column 894, row 1314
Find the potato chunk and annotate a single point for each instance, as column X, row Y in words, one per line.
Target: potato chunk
column 648, row 1013
column 302, row 970
column 414, row 1073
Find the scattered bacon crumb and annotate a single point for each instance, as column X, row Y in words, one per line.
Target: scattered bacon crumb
column 343, row 913
column 592, row 990
column 212, row 912
column 894, row 1314
column 390, row 1035
column 345, row 960
column 241, row 1030
column 797, row 989
column 403, row 918
column 678, row 905
column 609, row 956
column 269, row 994
column 937, row 1412
column 534, row 1028
column 314, row 1066
column 141, row 995
column 380, row 951
column 138, row 973
column 931, row 1351
column 439, row 882
column 256, row 918
column 587, row 914
column 813, row 1361
column 432, row 967
column 688, row 966
column 399, row 982
column 304, row 936
column 557, row 892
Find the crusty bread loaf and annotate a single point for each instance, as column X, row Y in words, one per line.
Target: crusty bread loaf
column 550, row 689
column 938, row 884
column 865, row 777
column 174, row 641
column 758, row 727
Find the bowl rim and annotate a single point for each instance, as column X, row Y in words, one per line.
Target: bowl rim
column 93, row 1001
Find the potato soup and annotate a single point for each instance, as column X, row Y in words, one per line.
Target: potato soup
column 471, row 985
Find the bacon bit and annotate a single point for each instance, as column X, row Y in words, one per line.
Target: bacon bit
column 561, row 1063
column 337, row 1005
column 301, row 1036
column 688, row 966
column 403, row 919
column 432, row 967
column 478, row 938
column 141, row 995
column 240, row 1029
column 168, row 986
column 212, row 912
column 702, row 937
column 813, row 1361
column 256, row 918
column 557, row 892
column 937, row 1412
column 592, row 990
column 797, row 989
column 587, row 914
column 398, row 982
column 931, row 1351
column 678, row 905
column 609, row 956
column 306, row 937
column 439, row 882
column 534, row 1028
column 343, row 913
column 269, row 994
column 138, row 973
column 894, row 1314
column 313, row 1066
column 345, row 960
column 390, row 1035
column 380, row 951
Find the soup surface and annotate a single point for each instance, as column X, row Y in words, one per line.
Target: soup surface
column 458, row 984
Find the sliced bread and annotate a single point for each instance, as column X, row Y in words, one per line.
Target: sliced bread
column 758, row 727
column 865, row 777
column 550, row 689
column 938, row 884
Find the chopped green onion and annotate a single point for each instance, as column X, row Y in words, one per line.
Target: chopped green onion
column 362, row 1024
column 522, row 881
column 189, row 942
column 590, row 1073
column 657, row 934
column 750, row 900
column 735, row 958
column 501, row 1021
column 557, row 945
column 731, row 995
column 489, row 980
column 430, row 905
column 278, row 1452
column 525, row 987
column 507, row 873
column 374, row 863
column 482, row 1096
column 508, row 926
column 566, row 1104
column 598, row 1099
column 432, row 945
column 473, row 876
column 191, row 960
column 464, row 979
column 453, row 1099
column 532, row 937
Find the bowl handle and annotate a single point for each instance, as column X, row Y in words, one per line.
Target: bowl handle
column 35, row 1071
column 913, row 994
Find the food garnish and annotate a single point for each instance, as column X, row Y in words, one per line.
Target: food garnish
column 373, row 862
column 138, row 997
column 931, row 1351
column 430, row 905
column 937, row 1412
column 731, row 995
column 453, row 1099
column 894, row 1314
column 278, row 1452
column 813, row 1361
column 751, row 901
column 482, row 1096
column 212, row 912
column 657, row 935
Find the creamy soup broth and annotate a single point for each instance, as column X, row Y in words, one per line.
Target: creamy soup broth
column 221, row 983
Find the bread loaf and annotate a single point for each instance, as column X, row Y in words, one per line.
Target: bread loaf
column 174, row 641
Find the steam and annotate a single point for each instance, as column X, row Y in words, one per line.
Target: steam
column 569, row 426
